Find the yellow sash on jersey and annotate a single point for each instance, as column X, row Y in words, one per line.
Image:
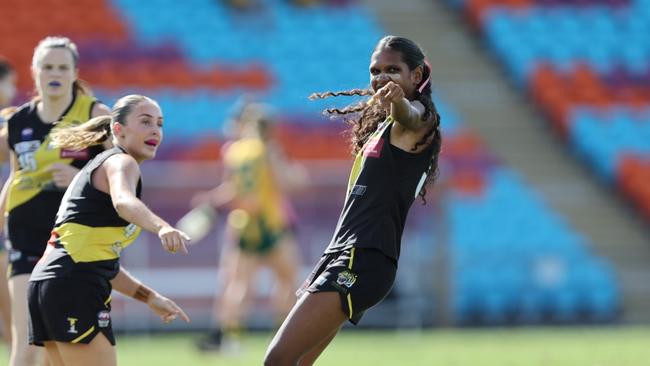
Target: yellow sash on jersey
column 90, row 244
column 32, row 176
column 360, row 158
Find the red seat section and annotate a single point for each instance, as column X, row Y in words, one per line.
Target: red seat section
column 32, row 20
column 298, row 141
column 301, row 142
column 634, row 181
column 112, row 75
column 107, row 45
column 469, row 161
column 557, row 93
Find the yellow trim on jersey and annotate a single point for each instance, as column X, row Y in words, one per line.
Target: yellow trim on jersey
column 350, row 267
column 32, row 174
column 86, row 334
column 360, row 159
column 91, row 244
column 108, row 301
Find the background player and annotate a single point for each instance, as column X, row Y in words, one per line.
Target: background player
column 7, row 94
column 258, row 228
column 39, row 173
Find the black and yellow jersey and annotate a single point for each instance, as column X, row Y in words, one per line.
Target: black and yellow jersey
column 89, row 235
column 33, row 199
column 384, row 182
column 247, row 162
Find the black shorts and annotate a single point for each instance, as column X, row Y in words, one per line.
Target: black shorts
column 22, row 262
column 68, row 310
column 362, row 277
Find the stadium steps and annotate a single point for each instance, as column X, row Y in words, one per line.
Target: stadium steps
column 464, row 75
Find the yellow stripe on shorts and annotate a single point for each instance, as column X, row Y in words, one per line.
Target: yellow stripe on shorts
column 350, row 267
column 350, row 305
column 76, row 340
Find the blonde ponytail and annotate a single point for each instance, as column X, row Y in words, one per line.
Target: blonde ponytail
column 93, row 132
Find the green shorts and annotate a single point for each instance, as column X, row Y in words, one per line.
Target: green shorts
column 258, row 238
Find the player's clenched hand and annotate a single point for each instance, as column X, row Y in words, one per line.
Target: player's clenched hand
column 173, row 240
column 389, row 93
column 166, row 309
column 62, row 174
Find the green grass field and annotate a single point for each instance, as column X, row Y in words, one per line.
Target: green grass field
column 611, row 346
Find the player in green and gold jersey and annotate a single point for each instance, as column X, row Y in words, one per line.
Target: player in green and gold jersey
column 258, row 227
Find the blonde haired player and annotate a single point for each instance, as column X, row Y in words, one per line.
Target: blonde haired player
column 100, row 215
column 40, row 173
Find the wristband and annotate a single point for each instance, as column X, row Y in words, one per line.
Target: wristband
column 142, row 293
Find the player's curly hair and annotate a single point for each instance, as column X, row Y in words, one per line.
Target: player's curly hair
column 364, row 117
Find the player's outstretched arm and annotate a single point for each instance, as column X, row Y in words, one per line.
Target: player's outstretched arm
column 123, row 173
column 165, row 308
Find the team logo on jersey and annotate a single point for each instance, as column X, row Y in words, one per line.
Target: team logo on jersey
column 346, row 278
column 74, row 154
column 15, row 255
column 358, row 190
column 130, row 230
column 27, row 133
column 373, row 147
column 103, row 319
column 117, row 248
column 73, row 325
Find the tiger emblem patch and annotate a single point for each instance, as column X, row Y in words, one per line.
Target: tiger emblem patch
column 346, row 278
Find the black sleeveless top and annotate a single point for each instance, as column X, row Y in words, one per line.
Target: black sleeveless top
column 384, row 182
column 89, row 235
